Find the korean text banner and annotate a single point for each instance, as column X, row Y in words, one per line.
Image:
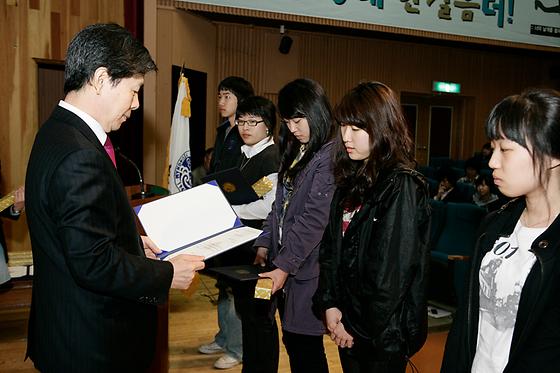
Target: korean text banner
column 521, row 21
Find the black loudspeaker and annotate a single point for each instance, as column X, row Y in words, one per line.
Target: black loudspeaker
column 285, row 44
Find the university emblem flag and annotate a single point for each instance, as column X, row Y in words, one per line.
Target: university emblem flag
column 179, row 146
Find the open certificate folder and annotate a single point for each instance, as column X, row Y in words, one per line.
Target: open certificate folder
column 197, row 221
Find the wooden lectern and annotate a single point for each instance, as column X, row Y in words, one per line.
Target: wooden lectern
column 160, row 363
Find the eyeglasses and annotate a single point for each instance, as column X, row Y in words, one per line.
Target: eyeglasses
column 250, row 122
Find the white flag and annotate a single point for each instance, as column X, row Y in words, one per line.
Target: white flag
column 179, row 147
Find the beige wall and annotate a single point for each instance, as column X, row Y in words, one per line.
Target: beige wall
column 42, row 29
column 339, row 62
column 181, row 38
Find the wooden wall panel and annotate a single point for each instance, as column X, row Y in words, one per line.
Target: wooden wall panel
column 181, row 38
column 28, row 30
column 339, row 62
column 333, row 22
column 243, row 54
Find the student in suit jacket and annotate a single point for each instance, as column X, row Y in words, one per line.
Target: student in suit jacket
column 95, row 292
column 256, row 120
column 227, row 154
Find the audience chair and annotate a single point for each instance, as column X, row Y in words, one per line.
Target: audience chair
column 438, row 162
column 427, row 171
column 466, row 190
column 454, row 230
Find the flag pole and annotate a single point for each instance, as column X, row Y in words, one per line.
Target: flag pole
column 182, row 69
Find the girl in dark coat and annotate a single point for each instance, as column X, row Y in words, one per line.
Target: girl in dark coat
column 293, row 230
column 510, row 321
column 374, row 252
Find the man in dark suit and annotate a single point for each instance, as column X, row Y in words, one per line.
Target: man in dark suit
column 94, row 290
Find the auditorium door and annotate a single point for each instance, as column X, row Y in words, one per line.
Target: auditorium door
column 436, row 123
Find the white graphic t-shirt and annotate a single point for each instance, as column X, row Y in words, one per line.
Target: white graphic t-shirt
column 502, row 274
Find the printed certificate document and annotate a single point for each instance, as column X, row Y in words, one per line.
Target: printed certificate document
column 197, row 221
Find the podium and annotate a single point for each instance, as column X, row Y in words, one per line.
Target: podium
column 160, row 363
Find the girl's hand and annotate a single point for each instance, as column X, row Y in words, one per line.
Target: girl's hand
column 278, row 278
column 332, row 318
column 341, row 337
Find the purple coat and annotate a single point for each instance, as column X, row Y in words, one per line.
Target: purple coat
column 304, row 222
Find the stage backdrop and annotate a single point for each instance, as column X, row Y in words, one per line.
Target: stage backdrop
column 521, row 21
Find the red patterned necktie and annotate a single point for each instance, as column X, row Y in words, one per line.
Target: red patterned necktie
column 110, row 150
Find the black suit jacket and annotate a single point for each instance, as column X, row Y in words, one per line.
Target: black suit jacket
column 94, row 297
column 227, row 149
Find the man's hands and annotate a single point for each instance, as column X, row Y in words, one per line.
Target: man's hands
column 184, row 269
column 184, row 266
column 150, row 248
column 339, row 335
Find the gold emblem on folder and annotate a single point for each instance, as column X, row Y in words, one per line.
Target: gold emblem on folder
column 229, row 187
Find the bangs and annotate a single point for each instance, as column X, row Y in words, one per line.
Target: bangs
column 350, row 112
column 291, row 101
column 253, row 110
column 508, row 120
column 288, row 111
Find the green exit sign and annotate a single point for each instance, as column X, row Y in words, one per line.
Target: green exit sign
column 446, row 87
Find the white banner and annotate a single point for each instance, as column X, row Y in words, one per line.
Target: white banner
column 522, row 21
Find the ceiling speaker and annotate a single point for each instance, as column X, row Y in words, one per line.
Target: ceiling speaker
column 285, row 44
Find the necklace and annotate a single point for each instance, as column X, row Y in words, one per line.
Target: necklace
column 546, row 221
column 244, row 162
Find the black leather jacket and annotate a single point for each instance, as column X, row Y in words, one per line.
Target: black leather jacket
column 535, row 345
column 376, row 274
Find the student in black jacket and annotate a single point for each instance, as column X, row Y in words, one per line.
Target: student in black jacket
column 256, row 120
column 227, row 147
column 373, row 258
column 510, row 321
column 227, row 154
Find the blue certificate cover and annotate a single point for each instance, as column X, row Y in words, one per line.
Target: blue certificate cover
column 197, row 221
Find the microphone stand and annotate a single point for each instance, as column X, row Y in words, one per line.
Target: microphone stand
column 143, row 194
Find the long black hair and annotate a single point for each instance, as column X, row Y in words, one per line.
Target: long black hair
column 374, row 108
column 531, row 119
column 303, row 98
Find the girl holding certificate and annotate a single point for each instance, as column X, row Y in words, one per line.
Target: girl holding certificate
column 293, row 230
column 374, row 253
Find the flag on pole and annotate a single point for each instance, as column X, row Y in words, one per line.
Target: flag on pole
column 179, row 156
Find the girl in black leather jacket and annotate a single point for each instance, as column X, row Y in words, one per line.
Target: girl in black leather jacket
column 510, row 320
column 374, row 251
